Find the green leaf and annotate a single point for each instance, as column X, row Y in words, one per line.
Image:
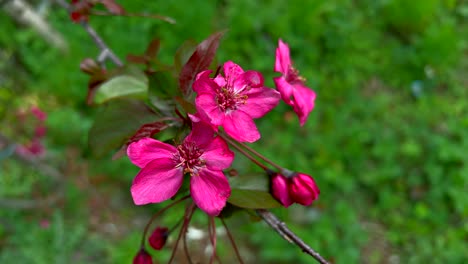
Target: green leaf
column 122, row 85
column 118, row 122
column 251, row 191
column 162, row 89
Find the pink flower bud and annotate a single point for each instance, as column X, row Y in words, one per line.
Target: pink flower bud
column 303, row 189
column 279, row 186
column 142, row 257
column 158, row 237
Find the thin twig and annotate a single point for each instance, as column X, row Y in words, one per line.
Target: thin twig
column 289, row 235
column 106, row 52
column 231, row 238
column 187, row 217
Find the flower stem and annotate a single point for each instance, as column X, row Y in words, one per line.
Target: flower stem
column 261, row 156
column 187, row 217
column 233, row 243
column 212, row 234
column 145, row 231
column 245, row 153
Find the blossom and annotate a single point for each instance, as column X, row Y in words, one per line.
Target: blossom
column 142, row 257
column 303, row 189
column 163, row 166
column 294, row 188
column 280, row 189
column 234, row 100
column 158, row 238
column 291, row 86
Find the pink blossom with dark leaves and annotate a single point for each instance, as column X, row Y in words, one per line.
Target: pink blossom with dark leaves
column 163, row 166
column 234, row 100
column 291, row 86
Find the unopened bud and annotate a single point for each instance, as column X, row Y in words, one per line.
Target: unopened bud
column 280, row 190
column 142, row 257
column 303, row 189
column 158, row 238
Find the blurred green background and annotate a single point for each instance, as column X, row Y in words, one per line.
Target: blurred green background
column 387, row 141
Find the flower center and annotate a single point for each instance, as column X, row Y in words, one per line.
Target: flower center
column 228, row 100
column 188, row 156
column 293, row 76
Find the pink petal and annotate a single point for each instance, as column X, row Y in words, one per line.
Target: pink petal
column 158, row 181
column 210, row 191
column 304, row 99
column 283, row 61
column 217, row 155
column 248, row 79
column 204, row 84
column 208, row 108
column 260, row 101
column 280, row 190
column 220, row 81
column 202, row 133
column 145, row 150
column 286, row 90
column 232, row 71
column 241, row 127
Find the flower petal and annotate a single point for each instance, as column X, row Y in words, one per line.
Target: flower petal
column 210, row 191
column 283, row 60
column 304, row 99
column 217, row 155
column 286, row 89
column 202, row 133
column 260, row 101
column 232, row 71
column 158, row 181
column 248, row 79
column 204, row 84
column 280, row 190
column 241, row 127
column 208, row 109
column 145, row 150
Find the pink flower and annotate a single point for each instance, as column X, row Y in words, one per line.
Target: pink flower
column 295, row 188
column 280, row 189
column 163, row 166
column 38, row 113
column 291, row 85
column 142, row 257
column 158, row 238
column 233, row 101
column 303, row 189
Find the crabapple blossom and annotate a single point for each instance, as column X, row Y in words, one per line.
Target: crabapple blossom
column 291, row 85
column 234, row 100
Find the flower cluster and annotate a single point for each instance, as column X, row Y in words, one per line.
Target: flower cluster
column 226, row 103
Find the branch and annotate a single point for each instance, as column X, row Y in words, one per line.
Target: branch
column 287, row 234
column 106, row 52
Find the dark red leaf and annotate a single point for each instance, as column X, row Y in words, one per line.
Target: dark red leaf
column 199, row 61
column 152, row 49
column 147, row 130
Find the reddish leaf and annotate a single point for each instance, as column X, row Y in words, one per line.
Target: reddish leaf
column 113, row 7
column 147, row 130
column 152, row 49
column 200, row 60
